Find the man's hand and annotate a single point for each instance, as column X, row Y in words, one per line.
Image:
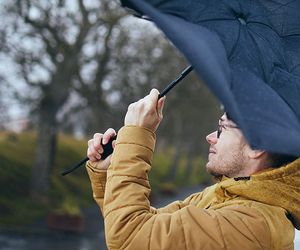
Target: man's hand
column 95, row 149
column 147, row 112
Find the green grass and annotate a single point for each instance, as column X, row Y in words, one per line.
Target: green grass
column 69, row 193
column 72, row 192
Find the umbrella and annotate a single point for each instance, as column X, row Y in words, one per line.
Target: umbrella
column 108, row 148
column 248, row 54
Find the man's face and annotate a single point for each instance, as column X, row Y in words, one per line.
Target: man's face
column 226, row 153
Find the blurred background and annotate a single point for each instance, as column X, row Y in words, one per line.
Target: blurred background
column 69, row 69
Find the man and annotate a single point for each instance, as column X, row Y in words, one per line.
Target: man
column 254, row 206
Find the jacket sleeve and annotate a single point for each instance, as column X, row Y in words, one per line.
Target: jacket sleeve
column 98, row 183
column 176, row 205
column 130, row 224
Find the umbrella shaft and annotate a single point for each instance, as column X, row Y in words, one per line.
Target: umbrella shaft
column 107, row 148
column 176, row 81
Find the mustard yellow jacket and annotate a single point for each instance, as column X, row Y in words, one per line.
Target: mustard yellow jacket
column 259, row 213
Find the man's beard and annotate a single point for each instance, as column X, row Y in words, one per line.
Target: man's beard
column 229, row 168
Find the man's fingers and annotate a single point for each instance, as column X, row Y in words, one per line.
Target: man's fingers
column 159, row 103
column 95, row 149
column 93, row 155
column 97, row 142
column 90, row 142
column 107, row 135
column 145, row 112
column 107, row 160
column 114, row 143
column 154, row 93
column 149, row 102
column 160, row 106
column 91, row 146
column 153, row 96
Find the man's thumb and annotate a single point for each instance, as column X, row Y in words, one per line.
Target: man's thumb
column 160, row 106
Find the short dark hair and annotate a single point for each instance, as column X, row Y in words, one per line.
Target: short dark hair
column 277, row 160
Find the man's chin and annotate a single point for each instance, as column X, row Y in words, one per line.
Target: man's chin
column 212, row 171
column 209, row 167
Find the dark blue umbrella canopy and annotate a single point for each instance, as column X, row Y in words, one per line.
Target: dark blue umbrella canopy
column 248, row 53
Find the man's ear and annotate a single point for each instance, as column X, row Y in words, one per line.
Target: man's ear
column 256, row 153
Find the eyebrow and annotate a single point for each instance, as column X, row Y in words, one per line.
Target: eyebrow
column 222, row 120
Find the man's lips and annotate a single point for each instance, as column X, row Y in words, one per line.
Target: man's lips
column 212, row 151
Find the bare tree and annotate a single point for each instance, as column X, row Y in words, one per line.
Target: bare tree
column 82, row 47
column 129, row 64
column 46, row 40
column 99, row 65
column 90, row 50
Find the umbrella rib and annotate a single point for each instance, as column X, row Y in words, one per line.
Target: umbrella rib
column 235, row 45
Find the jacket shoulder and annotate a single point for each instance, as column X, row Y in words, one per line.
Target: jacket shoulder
column 280, row 229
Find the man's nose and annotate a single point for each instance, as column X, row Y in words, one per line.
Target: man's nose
column 212, row 138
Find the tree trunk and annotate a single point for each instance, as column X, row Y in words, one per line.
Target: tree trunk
column 45, row 154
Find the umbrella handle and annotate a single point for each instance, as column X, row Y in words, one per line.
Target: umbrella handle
column 107, row 150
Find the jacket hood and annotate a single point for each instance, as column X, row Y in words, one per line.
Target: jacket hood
column 277, row 187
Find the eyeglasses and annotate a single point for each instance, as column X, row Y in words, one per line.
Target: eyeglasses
column 221, row 126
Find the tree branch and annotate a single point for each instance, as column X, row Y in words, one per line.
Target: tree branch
column 84, row 27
